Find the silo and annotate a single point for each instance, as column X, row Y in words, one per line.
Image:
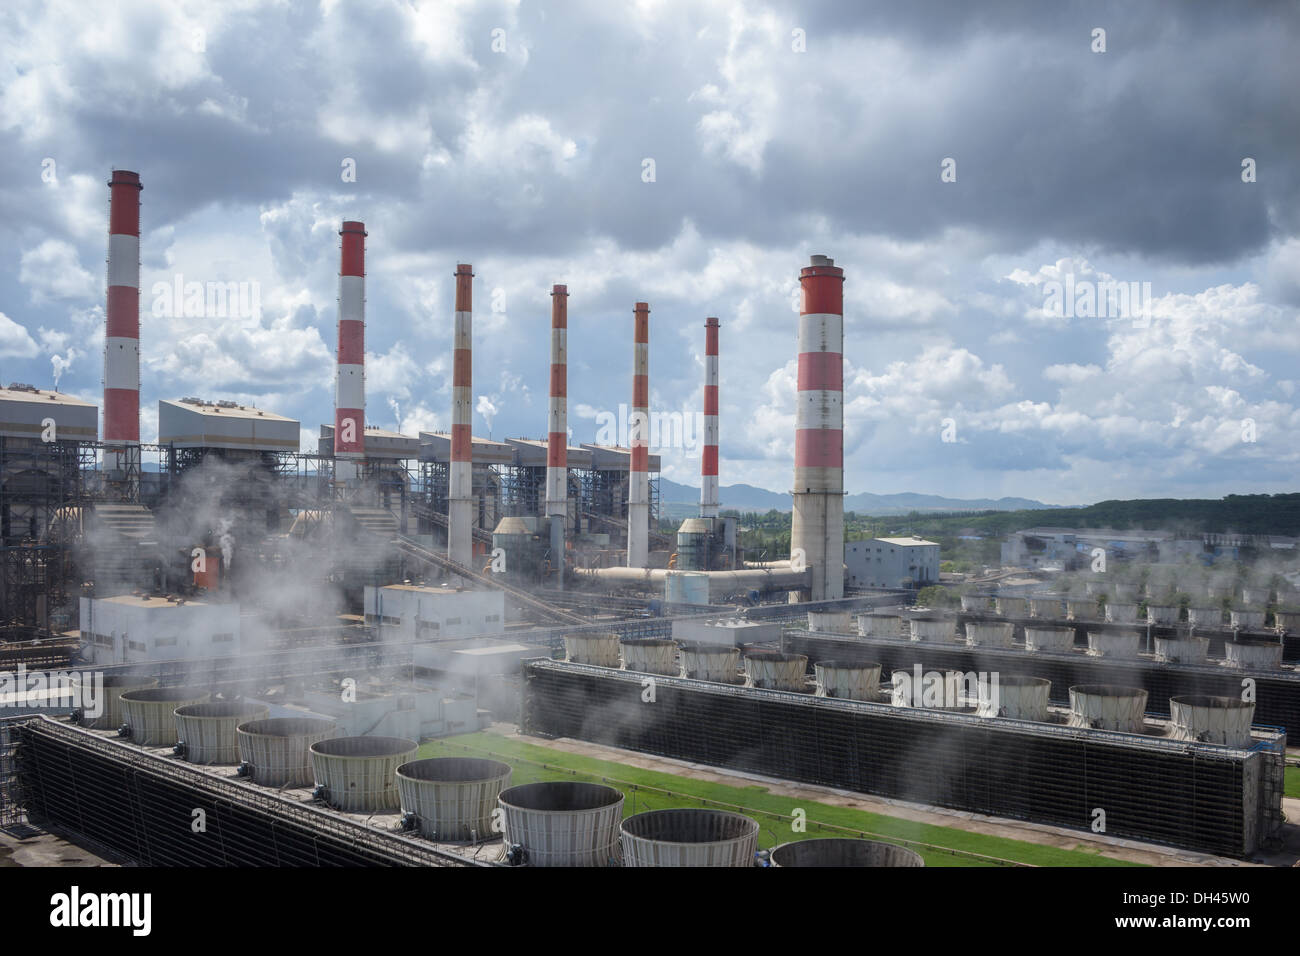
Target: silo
column 975, row 603
column 1211, row 720
column 990, row 634
column 1247, row 620
column 1045, row 638
column 1081, row 609
column 885, row 625
column 1207, row 617
column 1182, row 650
column 1020, row 698
column 115, row 685
column 1112, row 644
column 1120, row 613
column 840, row 852
column 275, row 752
column 150, row 712
column 831, row 622
column 359, row 774
column 1162, row 614
column 1012, row 606
column 599, row 648
column 1253, row 654
column 1108, row 707
column 562, row 823
column 1045, row 606
column 712, row 662
column 940, row 630
column 689, row 837
column 773, row 670
column 519, row 546
column 452, row 798
column 206, row 733
column 847, row 680
column 686, row 587
column 649, row 655
column 693, row 545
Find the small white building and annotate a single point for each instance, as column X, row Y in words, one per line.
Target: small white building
column 891, row 563
column 405, row 612
column 129, row 629
column 734, row 631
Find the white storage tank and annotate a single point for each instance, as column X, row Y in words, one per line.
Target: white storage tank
column 1112, row 644
column 562, row 823
column 598, row 648
column 939, row 630
column 452, row 798
column 990, row 634
column 1182, row 650
column 831, row 622
column 359, row 774
column 1162, row 614
column 1011, row 606
column 1247, row 620
column 774, row 670
column 846, row 680
column 1108, row 707
column 1211, row 720
column 686, row 587
column 1016, row 697
column 1206, row 617
column 115, row 685
column 886, row 625
column 1253, row 654
column 1121, row 613
column 649, row 655
column 712, row 662
column 150, row 713
column 689, row 837
column 975, row 603
column 1045, row 638
column 841, row 852
column 1045, row 606
column 275, row 752
column 206, row 733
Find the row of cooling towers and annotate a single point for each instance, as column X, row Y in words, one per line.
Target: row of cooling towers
column 453, row 799
column 1124, row 609
column 1202, row 718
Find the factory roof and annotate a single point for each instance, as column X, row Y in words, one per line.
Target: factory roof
column 533, row 451
column 436, row 446
column 28, row 393
column 909, row 542
column 153, row 602
column 224, row 409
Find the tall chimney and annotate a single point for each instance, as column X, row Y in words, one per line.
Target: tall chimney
column 709, row 460
column 557, row 429
column 817, row 528
column 638, row 491
column 350, row 385
column 122, row 328
column 460, row 494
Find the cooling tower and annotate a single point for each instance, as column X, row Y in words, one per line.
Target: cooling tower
column 1182, row 650
column 689, row 837
column 1044, row 638
column 206, row 733
column 1247, row 620
column 1019, row 698
column 1118, row 644
column 1211, row 720
column 838, row 852
column 276, row 752
column 150, row 713
column 562, row 823
column 115, row 685
column 649, row 655
column 1205, row 617
column 452, row 798
column 1121, row 613
column 773, row 670
column 359, row 774
column 600, row 649
column 1162, row 614
column 1253, row 654
column 1045, row 606
column 719, row 663
column 883, row 625
column 1010, row 606
column 1081, row 609
column 846, row 680
column 991, row 634
column 939, row 630
column 975, row 603
column 1108, row 707
column 831, row 622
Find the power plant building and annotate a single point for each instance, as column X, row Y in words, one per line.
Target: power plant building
column 891, row 563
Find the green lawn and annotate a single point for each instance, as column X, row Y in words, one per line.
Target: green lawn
column 1292, row 788
column 651, row 790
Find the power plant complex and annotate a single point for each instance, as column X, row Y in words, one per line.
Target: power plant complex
column 273, row 634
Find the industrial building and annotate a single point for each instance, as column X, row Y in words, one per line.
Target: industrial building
column 891, row 563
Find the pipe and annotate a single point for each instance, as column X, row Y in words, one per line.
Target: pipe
column 122, row 326
column 709, row 459
column 557, row 430
column 720, row 582
column 817, row 525
column 460, row 500
column 350, row 385
column 638, row 494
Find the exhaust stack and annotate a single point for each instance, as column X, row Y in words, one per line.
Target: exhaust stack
column 350, row 386
column 557, row 431
column 638, row 494
column 709, row 461
column 460, row 499
column 122, row 328
column 817, row 527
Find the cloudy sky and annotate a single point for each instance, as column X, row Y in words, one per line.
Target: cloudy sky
column 960, row 161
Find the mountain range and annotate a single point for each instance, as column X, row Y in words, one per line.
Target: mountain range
column 749, row 498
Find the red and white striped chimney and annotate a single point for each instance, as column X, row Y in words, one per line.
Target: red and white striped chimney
column 557, row 429
column 638, row 491
column 122, row 329
column 817, row 528
column 460, row 494
column 350, row 386
column 709, row 459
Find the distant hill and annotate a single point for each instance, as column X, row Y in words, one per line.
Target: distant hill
column 750, row 498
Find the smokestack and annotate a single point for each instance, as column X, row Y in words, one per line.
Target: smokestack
column 350, row 385
column 557, row 429
column 638, row 492
column 122, row 330
column 817, row 528
column 709, row 461
column 460, row 496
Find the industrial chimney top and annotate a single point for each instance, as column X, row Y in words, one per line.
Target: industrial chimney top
column 823, row 261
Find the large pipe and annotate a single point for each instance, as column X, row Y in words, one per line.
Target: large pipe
column 721, row 583
column 638, row 492
column 709, row 459
column 350, row 385
column 460, row 495
column 122, row 325
column 557, row 430
column 817, row 527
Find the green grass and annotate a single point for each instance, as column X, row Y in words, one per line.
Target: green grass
column 645, row 790
column 1292, row 788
